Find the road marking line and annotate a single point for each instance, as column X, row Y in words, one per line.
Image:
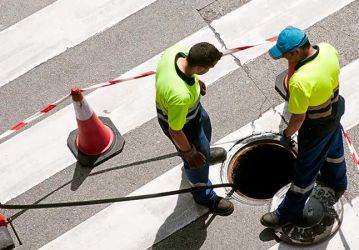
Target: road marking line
column 266, row 19
column 55, row 28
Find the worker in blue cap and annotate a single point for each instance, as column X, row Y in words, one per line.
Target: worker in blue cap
column 316, row 109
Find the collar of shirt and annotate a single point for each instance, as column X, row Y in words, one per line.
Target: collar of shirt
column 308, row 59
column 189, row 80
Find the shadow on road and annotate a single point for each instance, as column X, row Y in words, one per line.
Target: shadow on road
column 81, row 173
column 191, row 237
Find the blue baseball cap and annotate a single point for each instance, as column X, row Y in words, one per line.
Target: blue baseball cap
column 288, row 40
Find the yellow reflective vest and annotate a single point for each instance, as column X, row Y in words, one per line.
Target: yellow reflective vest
column 314, row 90
column 177, row 96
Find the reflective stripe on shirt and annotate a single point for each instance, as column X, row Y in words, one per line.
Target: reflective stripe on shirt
column 192, row 112
column 324, row 110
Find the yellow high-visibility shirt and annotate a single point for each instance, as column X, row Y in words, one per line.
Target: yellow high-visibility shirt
column 314, row 82
column 174, row 96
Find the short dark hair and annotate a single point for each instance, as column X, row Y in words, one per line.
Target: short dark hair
column 203, row 54
column 306, row 45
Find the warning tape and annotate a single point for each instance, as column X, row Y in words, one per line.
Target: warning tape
column 351, row 148
column 113, row 82
column 50, row 107
column 234, row 50
column 22, row 124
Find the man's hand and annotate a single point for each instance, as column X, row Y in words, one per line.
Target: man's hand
column 194, row 158
column 203, row 87
column 286, row 141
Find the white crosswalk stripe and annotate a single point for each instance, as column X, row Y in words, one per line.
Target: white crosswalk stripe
column 59, row 26
column 33, row 156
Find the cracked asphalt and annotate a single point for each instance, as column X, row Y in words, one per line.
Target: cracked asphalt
column 232, row 102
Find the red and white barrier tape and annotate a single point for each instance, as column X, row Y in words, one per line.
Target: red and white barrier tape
column 352, row 150
column 45, row 110
column 50, row 107
column 33, row 117
column 234, row 50
column 113, row 82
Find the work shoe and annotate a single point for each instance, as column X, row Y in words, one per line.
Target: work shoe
column 218, row 155
column 221, row 206
column 272, row 220
column 338, row 194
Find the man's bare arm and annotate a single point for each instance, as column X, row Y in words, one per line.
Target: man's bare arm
column 295, row 122
column 195, row 158
column 180, row 139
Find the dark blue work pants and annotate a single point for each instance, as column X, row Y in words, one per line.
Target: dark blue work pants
column 324, row 155
column 198, row 132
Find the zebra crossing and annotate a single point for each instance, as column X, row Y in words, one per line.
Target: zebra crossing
column 36, row 162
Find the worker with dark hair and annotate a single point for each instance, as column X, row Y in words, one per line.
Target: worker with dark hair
column 316, row 109
column 184, row 120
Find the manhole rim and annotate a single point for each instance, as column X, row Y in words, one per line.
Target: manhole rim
column 235, row 150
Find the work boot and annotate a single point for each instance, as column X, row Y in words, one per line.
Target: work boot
column 272, row 220
column 218, row 155
column 221, row 206
column 338, row 194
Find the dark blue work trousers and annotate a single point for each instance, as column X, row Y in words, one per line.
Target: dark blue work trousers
column 198, row 131
column 324, row 155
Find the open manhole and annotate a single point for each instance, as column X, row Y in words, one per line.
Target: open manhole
column 260, row 166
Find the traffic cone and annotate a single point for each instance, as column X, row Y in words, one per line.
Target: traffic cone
column 282, row 80
column 290, row 72
column 6, row 242
column 96, row 139
column 3, row 221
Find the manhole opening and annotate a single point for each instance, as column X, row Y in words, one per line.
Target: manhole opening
column 261, row 168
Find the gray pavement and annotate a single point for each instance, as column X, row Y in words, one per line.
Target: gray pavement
column 13, row 11
column 244, row 95
column 101, row 58
column 243, row 230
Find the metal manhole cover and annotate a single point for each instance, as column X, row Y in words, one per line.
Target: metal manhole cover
column 321, row 217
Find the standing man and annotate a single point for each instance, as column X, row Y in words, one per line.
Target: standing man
column 316, row 108
column 184, row 120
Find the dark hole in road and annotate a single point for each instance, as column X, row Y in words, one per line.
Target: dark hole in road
column 261, row 168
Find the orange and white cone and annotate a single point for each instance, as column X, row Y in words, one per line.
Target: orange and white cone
column 291, row 69
column 95, row 136
column 3, row 221
column 282, row 81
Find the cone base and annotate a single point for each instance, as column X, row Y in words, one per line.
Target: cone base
column 91, row 160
